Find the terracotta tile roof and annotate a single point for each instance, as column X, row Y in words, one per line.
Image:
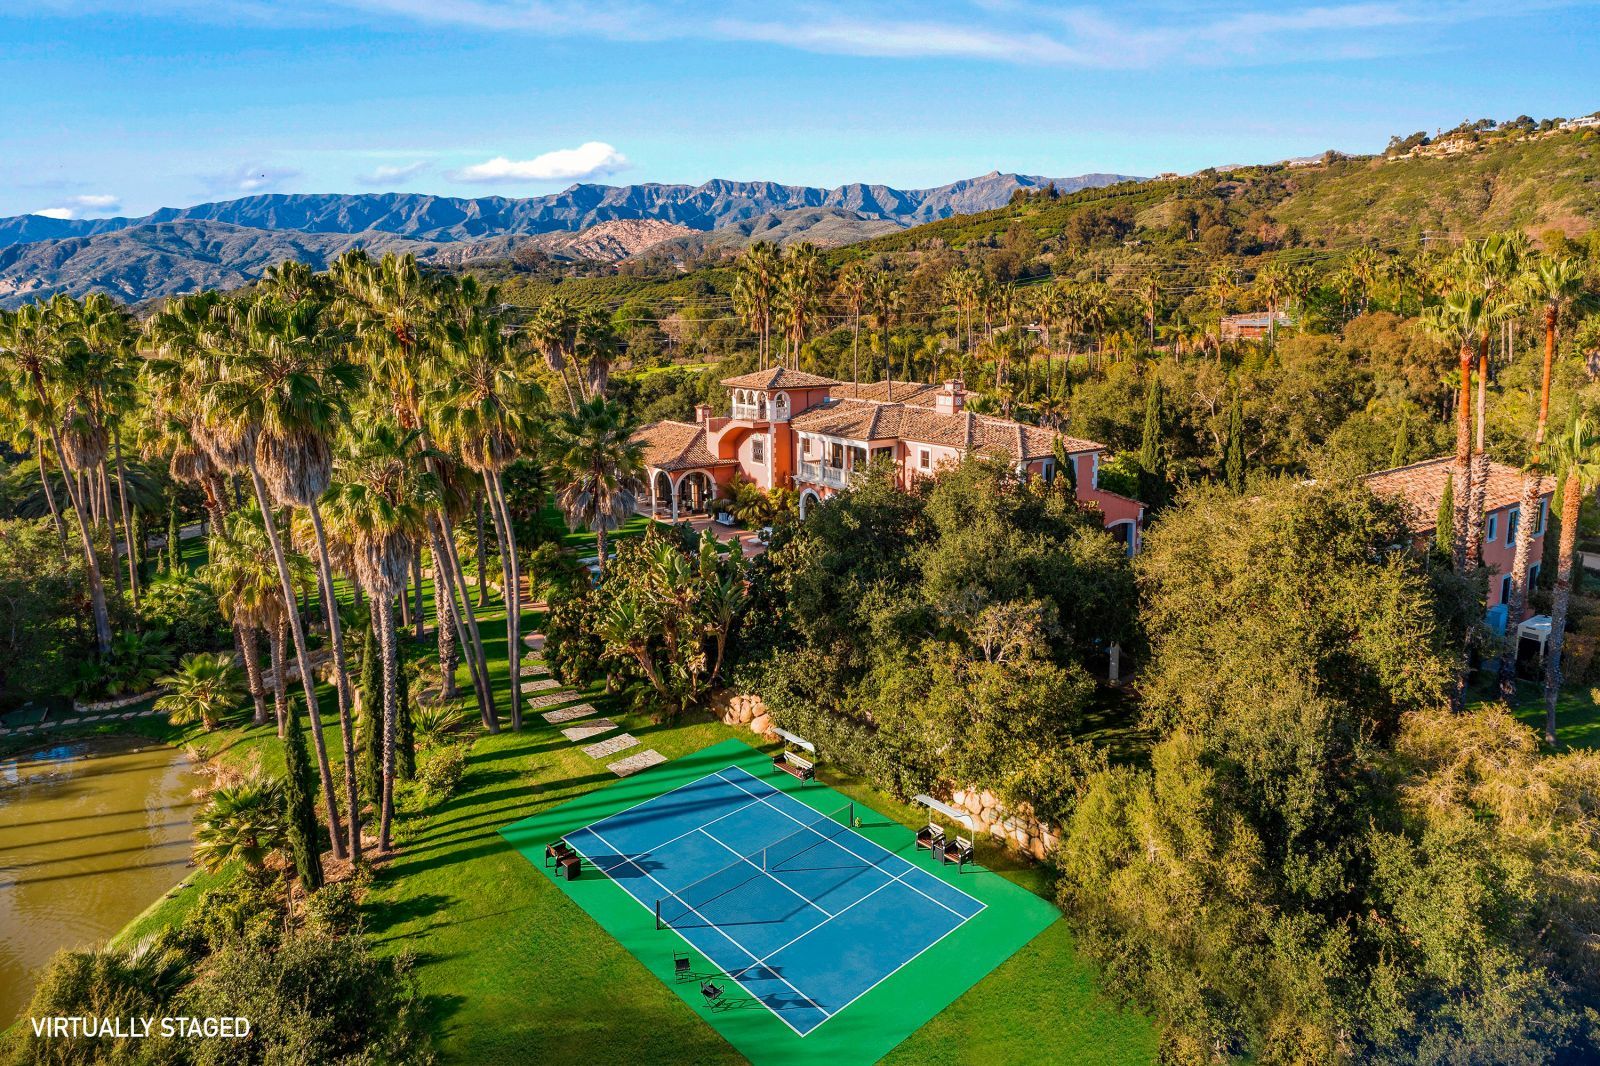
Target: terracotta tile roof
column 676, row 446
column 1421, row 485
column 915, row 393
column 778, row 378
column 867, row 420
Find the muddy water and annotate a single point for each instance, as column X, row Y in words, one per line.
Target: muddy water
column 91, row 833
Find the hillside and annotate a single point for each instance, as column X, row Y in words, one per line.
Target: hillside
column 231, row 242
column 827, row 227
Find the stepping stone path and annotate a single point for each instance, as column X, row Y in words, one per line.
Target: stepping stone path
column 534, row 641
column 549, row 699
column 634, row 763
column 610, row 746
column 569, row 714
column 543, row 684
column 588, row 730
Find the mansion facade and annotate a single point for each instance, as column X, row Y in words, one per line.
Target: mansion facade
column 789, row 429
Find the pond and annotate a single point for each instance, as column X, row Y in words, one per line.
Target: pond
column 92, row 832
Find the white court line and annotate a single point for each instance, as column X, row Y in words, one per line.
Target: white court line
column 657, row 847
column 863, row 858
column 718, row 928
column 831, row 917
column 764, row 873
column 660, row 795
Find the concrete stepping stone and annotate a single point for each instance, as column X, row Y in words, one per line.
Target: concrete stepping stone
column 634, row 763
column 534, row 641
column 542, row 684
column 588, row 730
column 569, row 714
column 611, row 745
column 550, row 699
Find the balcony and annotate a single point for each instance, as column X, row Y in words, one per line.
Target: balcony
column 822, row 474
column 749, row 412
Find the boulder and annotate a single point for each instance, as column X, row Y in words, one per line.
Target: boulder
column 760, row 723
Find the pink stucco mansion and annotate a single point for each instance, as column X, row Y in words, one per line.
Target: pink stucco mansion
column 789, row 429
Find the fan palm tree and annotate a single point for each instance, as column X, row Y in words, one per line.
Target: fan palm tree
column 36, row 345
column 243, row 575
column 554, row 331
column 380, row 502
column 205, row 687
column 1492, row 269
column 1556, row 283
column 1457, row 321
column 754, row 289
column 481, row 412
column 243, row 821
column 799, row 284
column 105, row 344
column 852, row 288
column 1577, row 456
column 1275, row 284
column 599, row 468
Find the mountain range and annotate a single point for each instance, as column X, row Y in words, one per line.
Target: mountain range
column 228, row 243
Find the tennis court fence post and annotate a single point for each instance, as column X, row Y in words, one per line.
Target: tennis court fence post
column 658, row 915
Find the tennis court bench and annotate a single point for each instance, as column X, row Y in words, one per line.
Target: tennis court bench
column 930, row 838
column 561, row 855
column 796, row 767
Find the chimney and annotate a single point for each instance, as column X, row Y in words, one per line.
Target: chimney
column 952, row 398
column 702, row 413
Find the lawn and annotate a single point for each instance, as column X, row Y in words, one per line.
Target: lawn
column 1577, row 711
column 516, row 971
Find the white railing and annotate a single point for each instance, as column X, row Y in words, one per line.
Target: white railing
column 748, row 411
column 822, row 474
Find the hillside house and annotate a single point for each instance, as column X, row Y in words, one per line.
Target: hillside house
column 1420, row 486
column 789, row 429
column 1252, row 326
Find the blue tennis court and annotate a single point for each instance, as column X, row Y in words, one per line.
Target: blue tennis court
column 805, row 914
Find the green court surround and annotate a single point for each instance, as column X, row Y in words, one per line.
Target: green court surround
column 870, row 1027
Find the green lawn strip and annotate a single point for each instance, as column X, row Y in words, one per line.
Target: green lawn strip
column 1577, row 711
column 869, row 1027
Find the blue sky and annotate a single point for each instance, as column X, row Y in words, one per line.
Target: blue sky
column 121, row 107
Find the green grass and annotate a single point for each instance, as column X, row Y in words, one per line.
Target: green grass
column 514, row 970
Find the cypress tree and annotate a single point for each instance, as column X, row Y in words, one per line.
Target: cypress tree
column 405, row 741
column 1402, row 440
column 300, row 799
column 1445, row 525
column 174, row 552
column 138, row 546
column 1234, row 463
column 369, row 731
column 1152, row 448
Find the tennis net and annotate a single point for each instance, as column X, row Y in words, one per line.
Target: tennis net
column 716, row 891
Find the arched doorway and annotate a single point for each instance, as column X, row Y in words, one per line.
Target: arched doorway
column 1124, row 533
column 660, row 491
column 808, row 499
column 695, row 492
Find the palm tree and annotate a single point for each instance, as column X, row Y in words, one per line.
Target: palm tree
column 753, row 293
column 1457, row 321
column 243, row 821
column 205, row 687
column 280, row 390
column 852, row 286
column 1276, row 284
column 1556, row 283
column 105, row 339
column 481, row 410
column 1492, row 268
column 32, row 340
column 243, row 575
column 1577, row 457
column 799, row 283
column 554, row 330
column 380, row 502
column 599, row 468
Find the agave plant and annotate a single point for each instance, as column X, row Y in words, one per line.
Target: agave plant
column 205, row 687
column 435, row 720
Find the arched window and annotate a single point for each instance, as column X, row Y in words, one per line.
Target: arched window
column 780, row 407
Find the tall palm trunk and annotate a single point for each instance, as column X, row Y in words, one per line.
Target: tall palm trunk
column 513, row 589
column 472, row 642
column 347, row 739
column 445, row 624
column 600, row 543
column 383, row 610
column 50, row 495
column 1480, row 461
column 303, row 658
column 483, row 556
column 1526, row 510
column 419, row 618
column 1571, row 501
column 244, row 642
column 91, row 563
column 280, row 680
column 102, row 494
column 127, row 526
column 1462, row 491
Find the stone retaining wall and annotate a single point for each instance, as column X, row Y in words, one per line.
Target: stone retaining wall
column 113, row 705
column 1017, row 829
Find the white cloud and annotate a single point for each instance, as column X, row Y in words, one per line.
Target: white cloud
column 393, row 175
column 248, row 178
column 593, row 159
column 82, row 206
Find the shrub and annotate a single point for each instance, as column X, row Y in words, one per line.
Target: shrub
column 334, row 910
column 441, row 770
column 571, row 646
column 186, row 609
column 435, row 720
